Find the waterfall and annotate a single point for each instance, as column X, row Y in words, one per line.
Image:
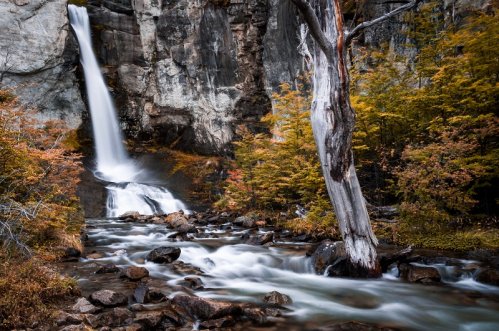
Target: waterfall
column 113, row 163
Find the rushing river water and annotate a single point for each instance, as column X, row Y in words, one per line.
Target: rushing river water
column 239, row 272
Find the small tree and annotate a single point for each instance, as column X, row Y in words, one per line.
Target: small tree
column 333, row 121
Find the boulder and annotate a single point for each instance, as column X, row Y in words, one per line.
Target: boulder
column 135, row 273
column 95, row 255
column 326, row 254
column 206, row 309
column 488, row 276
column 276, row 298
column 84, row 306
column 63, row 318
column 262, row 239
column 419, row 274
column 141, row 293
column 107, row 269
column 108, row 298
column 111, row 318
column 386, row 259
column 194, row 283
column 149, row 320
column 130, row 216
column 245, row 221
column 217, row 324
column 164, row 254
column 183, row 268
column 177, row 219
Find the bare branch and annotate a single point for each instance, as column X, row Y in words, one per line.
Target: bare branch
column 378, row 20
column 314, row 26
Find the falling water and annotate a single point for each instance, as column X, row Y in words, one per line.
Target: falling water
column 113, row 164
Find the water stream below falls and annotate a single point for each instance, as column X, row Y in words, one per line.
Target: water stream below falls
column 234, row 271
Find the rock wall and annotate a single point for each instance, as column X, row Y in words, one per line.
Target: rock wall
column 184, row 72
column 38, row 58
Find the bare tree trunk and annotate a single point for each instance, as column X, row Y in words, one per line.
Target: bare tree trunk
column 333, row 122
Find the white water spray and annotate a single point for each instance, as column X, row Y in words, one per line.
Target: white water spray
column 113, row 163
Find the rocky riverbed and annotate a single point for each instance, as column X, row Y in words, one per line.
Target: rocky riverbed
column 218, row 271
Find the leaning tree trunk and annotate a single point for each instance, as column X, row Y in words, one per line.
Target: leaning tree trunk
column 333, row 123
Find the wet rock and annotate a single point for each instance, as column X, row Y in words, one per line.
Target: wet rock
column 95, row 255
column 217, row 324
column 134, row 327
column 255, row 315
column 206, row 309
column 488, row 276
column 63, row 318
column 156, row 296
column 387, row 259
column 79, row 327
column 164, row 254
column 419, row 274
column 108, row 298
column 108, row 269
column 149, row 320
column 245, row 221
column 130, row 216
column 175, row 220
column 263, row 239
column 276, row 298
column 183, row 268
column 194, row 283
column 326, row 254
column 135, row 273
column 84, row 306
column 354, row 326
column 114, row 317
column 186, row 228
column 141, row 293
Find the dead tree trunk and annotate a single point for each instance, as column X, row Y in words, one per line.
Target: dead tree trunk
column 333, row 121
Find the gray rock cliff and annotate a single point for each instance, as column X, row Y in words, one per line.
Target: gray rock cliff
column 38, row 57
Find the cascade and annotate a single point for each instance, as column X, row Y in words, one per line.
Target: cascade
column 113, row 164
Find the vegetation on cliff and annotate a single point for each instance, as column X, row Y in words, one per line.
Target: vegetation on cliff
column 40, row 216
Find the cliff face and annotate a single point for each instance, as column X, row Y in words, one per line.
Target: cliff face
column 37, row 58
column 185, row 72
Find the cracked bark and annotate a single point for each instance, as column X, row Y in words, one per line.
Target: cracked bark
column 333, row 121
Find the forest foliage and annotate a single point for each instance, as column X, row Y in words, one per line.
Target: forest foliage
column 40, row 214
column 426, row 137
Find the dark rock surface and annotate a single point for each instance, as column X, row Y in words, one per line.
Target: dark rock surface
column 276, row 298
column 108, row 298
column 164, row 254
column 419, row 274
column 206, row 309
column 327, row 254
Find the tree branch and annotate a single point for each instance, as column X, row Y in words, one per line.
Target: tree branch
column 378, row 20
column 314, row 26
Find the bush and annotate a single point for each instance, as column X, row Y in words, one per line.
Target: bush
column 29, row 293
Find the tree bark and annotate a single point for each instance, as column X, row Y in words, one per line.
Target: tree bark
column 333, row 121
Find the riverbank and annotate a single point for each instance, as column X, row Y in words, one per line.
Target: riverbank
column 217, row 270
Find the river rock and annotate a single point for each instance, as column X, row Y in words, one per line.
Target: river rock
column 84, row 306
column 177, row 219
column 262, row 239
column 135, row 273
column 488, row 276
column 183, row 268
column 326, row 254
column 64, row 318
column 245, row 221
column 193, row 282
column 95, row 256
column 276, row 298
column 206, row 309
column 419, row 274
column 218, row 324
column 164, row 254
column 130, row 216
column 79, row 327
column 108, row 298
column 109, row 268
column 149, row 320
column 115, row 317
column 387, row 259
column 141, row 293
